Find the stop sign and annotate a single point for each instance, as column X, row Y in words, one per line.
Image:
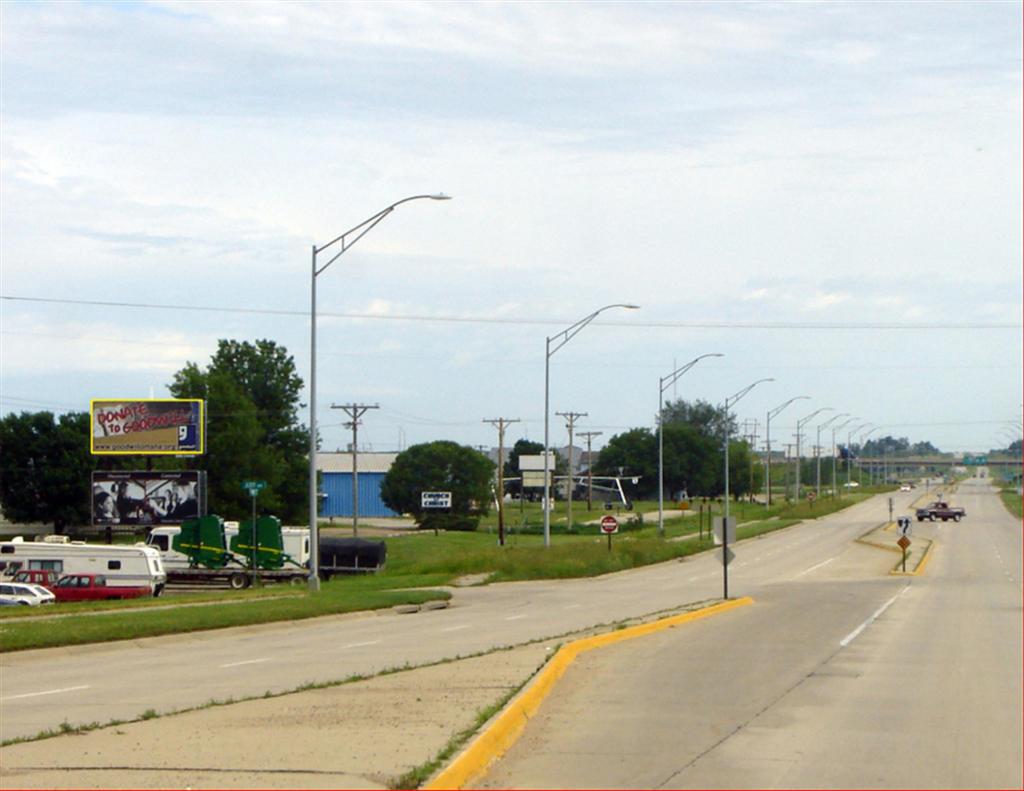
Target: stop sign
column 609, row 524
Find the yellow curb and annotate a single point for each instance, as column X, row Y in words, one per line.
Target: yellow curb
column 503, row 732
column 921, row 564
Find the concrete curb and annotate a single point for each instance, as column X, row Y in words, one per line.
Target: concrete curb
column 503, row 731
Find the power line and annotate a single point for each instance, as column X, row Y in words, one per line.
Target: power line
column 450, row 319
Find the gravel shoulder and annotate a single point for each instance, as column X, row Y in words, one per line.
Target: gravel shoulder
column 363, row 734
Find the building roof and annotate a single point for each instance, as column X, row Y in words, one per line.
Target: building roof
column 342, row 462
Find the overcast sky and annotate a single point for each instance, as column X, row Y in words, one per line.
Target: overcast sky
column 829, row 194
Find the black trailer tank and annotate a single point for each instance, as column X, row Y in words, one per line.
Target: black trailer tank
column 350, row 555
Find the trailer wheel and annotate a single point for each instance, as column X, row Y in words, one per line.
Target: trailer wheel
column 238, row 581
column 296, row 582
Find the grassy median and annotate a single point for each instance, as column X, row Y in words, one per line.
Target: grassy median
column 416, row 564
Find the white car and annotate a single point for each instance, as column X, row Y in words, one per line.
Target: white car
column 23, row 593
column 905, row 487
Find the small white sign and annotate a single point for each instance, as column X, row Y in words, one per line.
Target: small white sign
column 717, row 526
column 435, row 500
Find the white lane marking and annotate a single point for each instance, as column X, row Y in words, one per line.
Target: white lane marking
column 812, row 568
column 46, row 692
column 572, row 606
column 246, row 662
column 360, row 645
column 456, row 628
column 853, row 635
column 515, row 617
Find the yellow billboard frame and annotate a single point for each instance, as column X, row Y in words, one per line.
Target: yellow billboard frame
column 187, row 402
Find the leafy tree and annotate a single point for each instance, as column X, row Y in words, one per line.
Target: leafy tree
column 634, row 452
column 45, row 468
column 253, row 431
column 706, row 418
column 440, row 466
column 523, row 447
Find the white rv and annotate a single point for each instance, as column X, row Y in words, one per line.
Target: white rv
column 122, row 565
column 295, row 540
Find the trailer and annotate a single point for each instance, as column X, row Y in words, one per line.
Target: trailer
column 209, row 550
column 122, row 566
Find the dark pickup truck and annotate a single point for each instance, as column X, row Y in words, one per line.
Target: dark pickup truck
column 940, row 510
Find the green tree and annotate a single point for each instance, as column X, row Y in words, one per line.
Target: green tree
column 634, row 453
column 45, row 468
column 252, row 402
column 705, row 417
column 440, row 466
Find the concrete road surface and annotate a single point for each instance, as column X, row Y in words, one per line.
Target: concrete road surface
column 836, row 678
column 40, row 690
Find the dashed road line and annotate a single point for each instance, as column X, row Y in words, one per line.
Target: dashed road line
column 246, row 662
column 853, row 635
column 45, row 692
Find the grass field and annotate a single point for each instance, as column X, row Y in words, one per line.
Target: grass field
column 416, row 563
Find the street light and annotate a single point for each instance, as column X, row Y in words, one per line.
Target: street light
column 860, row 444
column 360, row 231
column 799, row 425
column 817, row 454
column 768, row 442
column 663, row 384
column 835, row 480
column 725, row 520
column 849, row 451
column 560, row 340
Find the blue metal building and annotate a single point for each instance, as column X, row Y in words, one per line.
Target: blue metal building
column 336, row 483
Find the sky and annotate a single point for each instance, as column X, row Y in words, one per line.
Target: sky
column 827, row 194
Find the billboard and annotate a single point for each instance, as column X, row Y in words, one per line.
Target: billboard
column 142, row 497
column 149, row 426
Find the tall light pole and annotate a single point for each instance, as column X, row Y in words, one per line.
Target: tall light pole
column 860, row 444
column 817, row 455
column 835, row 480
column 663, row 384
column 799, row 425
column 768, row 444
column 359, row 232
column 731, row 401
column 849, row 451
column 559, row 340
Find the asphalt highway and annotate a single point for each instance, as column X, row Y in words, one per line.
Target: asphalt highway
column 837, row 677
column 42, row 689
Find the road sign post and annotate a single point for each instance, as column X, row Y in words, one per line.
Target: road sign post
column 609, row 526
column 904, row 540
column 254, row 488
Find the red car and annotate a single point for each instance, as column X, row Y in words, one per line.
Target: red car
column 93, row 587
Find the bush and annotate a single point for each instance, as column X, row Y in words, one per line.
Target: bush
column 467, row 524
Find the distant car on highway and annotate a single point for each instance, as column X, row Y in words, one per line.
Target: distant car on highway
column 904, row 487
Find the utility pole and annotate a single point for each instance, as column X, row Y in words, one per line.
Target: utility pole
column 501, row 423
column 355, row 411
column 590, row 465
column 570, row 418
column 750, row 426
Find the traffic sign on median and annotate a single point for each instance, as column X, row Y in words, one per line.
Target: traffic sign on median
column 904, row 542
column 609, row 524
column 727, row 557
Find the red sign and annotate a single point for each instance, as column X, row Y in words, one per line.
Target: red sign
column 609, row 524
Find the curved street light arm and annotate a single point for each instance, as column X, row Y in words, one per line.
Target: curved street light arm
column 772, row 413
column 744, row 391
column 366, row 226
column 570, row 332
column 833, row 419
column 800, row 423
column 666, row 382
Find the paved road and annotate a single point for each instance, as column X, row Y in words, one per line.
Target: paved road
column 42, row 689
column 836, row 678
